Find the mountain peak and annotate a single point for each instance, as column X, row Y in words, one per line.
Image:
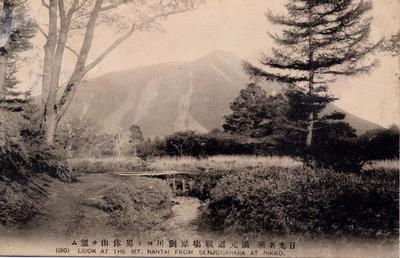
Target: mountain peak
column 218, row 54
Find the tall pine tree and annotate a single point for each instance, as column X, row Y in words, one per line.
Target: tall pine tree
column 17, row 28
column 319, row 40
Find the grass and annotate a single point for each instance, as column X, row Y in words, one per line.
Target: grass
column 187, row 163
column 382, row 164
column 107, row 164
column 220, row 163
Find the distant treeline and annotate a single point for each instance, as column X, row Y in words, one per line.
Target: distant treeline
column 330, row 149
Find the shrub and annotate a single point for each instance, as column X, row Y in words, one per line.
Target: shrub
column 25, row 167
column 204, row 182
column 336, row 146
column 151, row 148
column 138, row 205
column 301, row 201
column 380, row 144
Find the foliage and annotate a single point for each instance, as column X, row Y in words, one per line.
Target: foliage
column 307, row 202
column 26, row 164
column 137, row 205
column 135, row 138
column 17, row 30
column 392, row 45
column 203, row 184
column 151, row 148
column 334, row 145
column 337, row 146
column 254, row 113
column 190, row 143
column 380, row 144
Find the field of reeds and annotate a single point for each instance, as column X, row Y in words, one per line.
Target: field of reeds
column 107, row 164
column 187, row 163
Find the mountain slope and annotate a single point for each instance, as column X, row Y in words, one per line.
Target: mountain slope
column 169, row 97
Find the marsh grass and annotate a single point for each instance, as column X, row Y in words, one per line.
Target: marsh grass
column 188, row 163
column 220, row 163
column 107, row 164
column 383, row 164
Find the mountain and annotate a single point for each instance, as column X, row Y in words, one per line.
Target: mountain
column 164, row 98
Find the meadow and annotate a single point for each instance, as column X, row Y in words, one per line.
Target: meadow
column 192, row 164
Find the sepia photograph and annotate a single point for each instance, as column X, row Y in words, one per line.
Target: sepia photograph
column 199, row 128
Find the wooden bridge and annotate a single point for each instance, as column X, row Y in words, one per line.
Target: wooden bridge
column 181, row 182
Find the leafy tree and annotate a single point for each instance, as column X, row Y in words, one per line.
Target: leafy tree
column 184, row 143
column 135, row 137
column 255, row 114
column 320, row 40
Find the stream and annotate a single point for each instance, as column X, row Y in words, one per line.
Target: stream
column 184, row 220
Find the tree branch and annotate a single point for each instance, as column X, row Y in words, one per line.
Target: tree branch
column 109, row 49
column 115, row 5
column 73, row 51
column 41, row 31
column 45, row 4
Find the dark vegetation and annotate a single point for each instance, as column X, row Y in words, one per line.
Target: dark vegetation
column 336, row 146
column 26, row 167
column 304, row 202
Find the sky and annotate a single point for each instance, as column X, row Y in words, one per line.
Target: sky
column 238, row 26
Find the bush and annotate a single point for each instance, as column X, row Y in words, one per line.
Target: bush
column 204, row 182
column 305, row 202
column 26, row 165
column 336, row 146
column 380, row 144
column 151, row 148
column 138, row 205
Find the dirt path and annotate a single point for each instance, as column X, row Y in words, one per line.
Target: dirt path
column 69, row 211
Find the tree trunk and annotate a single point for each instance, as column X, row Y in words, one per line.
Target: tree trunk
column 3, row 65
column 310, row 126
column 49, row 119
column 310, row 129
column 50, row 128
column 53, row 109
